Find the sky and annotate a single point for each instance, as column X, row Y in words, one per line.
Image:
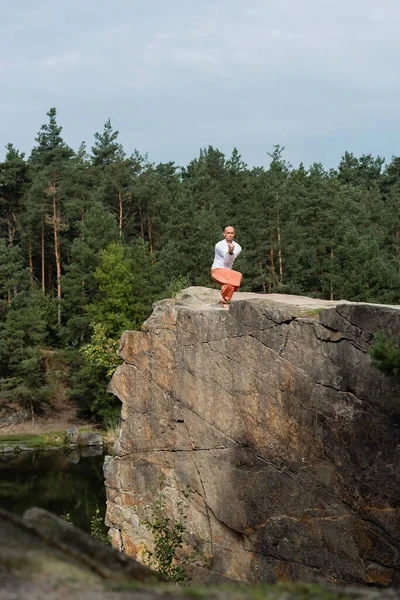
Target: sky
column 319, row 77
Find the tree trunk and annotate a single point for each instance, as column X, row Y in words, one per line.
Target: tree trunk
column 141, row 223
column 149, row 231
column 32, row 412
column 50, row 287
column 316, row 258
column 56, row 225
column 120, row 213
column 263, row 281
column 128, row 210
column 30, row 264
column 43, row 263
column 83, row 237
column 271, row 260
column 11, row 233
column 280, row 255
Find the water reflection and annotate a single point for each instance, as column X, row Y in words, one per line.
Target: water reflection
column 74, row 455
column 61, row 481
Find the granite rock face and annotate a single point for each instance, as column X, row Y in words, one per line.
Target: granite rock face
column 273, row 414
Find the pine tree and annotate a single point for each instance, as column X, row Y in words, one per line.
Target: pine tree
column 48, row 160
column 14, row 180
column 97, row 231
column 12, row 273
column 116, row 175
column 107, row 150
column 23, row 331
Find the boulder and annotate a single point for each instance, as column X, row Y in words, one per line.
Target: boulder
column 90, row 438
column 73, row 437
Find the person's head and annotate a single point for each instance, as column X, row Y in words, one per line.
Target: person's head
column 229, row 233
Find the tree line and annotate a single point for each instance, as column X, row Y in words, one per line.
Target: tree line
column 90, row 238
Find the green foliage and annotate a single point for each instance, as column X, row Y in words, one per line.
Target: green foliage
column 97, row 527
column 104, row 234
column 111, row 429
column 168, row 538
column 176, row 285
column 67, row 518
column 385, row 353
column 97, row 231
column 113, row 306
column 122, row 302
column 38, row 441
column 106, row 149
column 13, row 274
column 22, row 335
column 51, row 153
column 92, row 369
column 124, row 278
column 101, row 352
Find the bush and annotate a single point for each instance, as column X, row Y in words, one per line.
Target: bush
column 168, row 538
column 385, row 353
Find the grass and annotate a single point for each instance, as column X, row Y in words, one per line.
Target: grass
column 38, row 441
column 42, row 440
column 111, row 431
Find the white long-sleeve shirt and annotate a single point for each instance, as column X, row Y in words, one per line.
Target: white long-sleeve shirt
column 222, row 259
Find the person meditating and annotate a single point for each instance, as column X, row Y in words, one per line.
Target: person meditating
column 221, row 271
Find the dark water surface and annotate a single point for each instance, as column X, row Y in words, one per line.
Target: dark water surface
column 59, row 481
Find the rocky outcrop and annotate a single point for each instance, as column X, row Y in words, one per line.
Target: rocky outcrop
column 274, row 416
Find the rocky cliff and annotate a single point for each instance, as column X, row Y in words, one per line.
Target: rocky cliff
column 274, row 416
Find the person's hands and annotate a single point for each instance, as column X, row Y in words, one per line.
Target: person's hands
column 231, row 247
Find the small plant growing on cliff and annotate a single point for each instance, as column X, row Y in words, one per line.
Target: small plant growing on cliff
column 67, row 518
column 168, row 538
column 97, row 527
column 385, row 353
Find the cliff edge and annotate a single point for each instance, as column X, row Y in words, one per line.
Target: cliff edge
column 274, row 416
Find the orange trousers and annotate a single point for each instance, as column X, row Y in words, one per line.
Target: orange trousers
column 227, row 291
column 229, row 281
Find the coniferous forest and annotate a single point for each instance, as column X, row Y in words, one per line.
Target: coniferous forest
column 90, row 238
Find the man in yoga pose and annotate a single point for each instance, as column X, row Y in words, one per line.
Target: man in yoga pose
column 221, row 271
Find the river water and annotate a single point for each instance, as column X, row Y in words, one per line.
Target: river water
column 65, row 483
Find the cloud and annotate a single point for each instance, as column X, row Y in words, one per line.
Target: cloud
column 61, row 61
column 249, row 72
